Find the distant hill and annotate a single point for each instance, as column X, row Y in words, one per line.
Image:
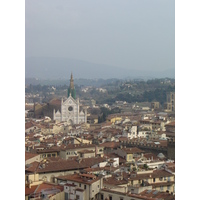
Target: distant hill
column 61, row 68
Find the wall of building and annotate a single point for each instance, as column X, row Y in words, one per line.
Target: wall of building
column 91, row 190
column 50, row 176
column 73, row 152
column 171, row 149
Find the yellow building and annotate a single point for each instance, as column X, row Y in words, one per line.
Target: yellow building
column 113, row 118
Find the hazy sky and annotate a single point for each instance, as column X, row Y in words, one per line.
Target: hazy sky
column 137, row 34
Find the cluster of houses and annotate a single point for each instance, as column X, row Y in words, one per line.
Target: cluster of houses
column 130, row 156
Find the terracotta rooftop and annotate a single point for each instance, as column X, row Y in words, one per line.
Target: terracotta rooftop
column 158, row 195
column 29, row 125
column 113, row 155
column 114, row 181
column 139, row 197
column 110, row 144
column 65, row 165
column 44, row 186
column 87, row 179
column 55, row 102
column 86, row 151
column 150, row 155
column 29, row 155
column 170, row 124
column 155, row 174
column 132, row 150
column 77, row 146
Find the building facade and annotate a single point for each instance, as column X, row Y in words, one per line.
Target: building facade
column 70, row 108
column 170, row 104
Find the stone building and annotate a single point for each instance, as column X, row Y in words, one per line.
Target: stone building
column 70, row 108
column 170, row 104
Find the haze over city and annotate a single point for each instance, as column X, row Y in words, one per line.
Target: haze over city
column 104, row 39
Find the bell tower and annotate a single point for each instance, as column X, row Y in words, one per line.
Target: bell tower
column 71, row 89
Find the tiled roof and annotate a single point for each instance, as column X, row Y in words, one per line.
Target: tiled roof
column 55, row 102
column 132, row 150
column 87, row 179
column 30, row 190
column 66, row 165
column 150, row 155
column 86, row 151
column 32, row 167
column 113, row 155
column 29, row 155
column 171, row 124
column 158, row 195
column 77, row 146
column 114, row 181
column 168, row 183
column 137, row 196
column 155, row 174
column 29, row 125
column 110, row 144
column 39, row 188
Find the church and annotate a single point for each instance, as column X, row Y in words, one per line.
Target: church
column 70, row 111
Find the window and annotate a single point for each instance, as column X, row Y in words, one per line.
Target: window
column 85, row 186
column 168, row 187
column 110, row 197
column 161, row 187
column 154, row 180
column 101, row 196
column 70, row 108
column 98, row 186
column 121, row 198
column 79, row 185
column 77, row 197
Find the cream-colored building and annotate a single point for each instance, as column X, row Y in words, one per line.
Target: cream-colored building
column 81, row 186
column 170, row 104
column 160, row 180
column 73, row 149
column 129, row 153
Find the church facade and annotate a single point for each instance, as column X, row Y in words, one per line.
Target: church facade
column 70, row 111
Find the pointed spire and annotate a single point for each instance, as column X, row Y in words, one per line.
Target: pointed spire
column 71, row 89
column 71, row 82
